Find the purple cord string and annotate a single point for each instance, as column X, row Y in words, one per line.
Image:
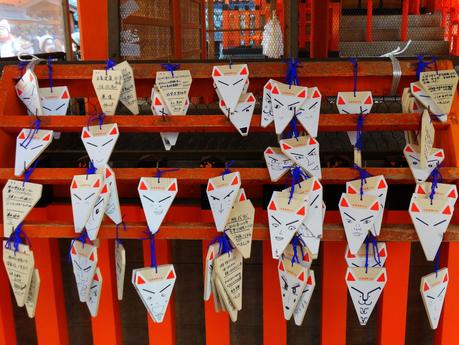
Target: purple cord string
column 437, row 262
column 28, row 172
column 151, row 237
column 224, row 245
column 363, row 178
column 170, row 67
column 355, row 72
column 100, row 117
column 422, row 65
column 15, row 239
column 436, row 176
column 359, row 136
column 227, row 169
column 109, row 65
column 36, row 127
column 83, row 238
column 160, row 172
column 21, row 66
column 374, row 244
column 297, row 176
column 292, row 75
column 91, row 170
column 117, row 239
column 50, row 73
column 297, row 241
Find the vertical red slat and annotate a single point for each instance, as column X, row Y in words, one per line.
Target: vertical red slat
column 319, row 28
column 394, row 300
column 334, row 294
column 202, row 8
column 415, row 7
column 50, row 314
column 274, row 324
column 7, row 329
column 446, row 333
column 217, row 324
column 106, row 327
column 93, row 20
column 404, row 28
column 161, row 333
column 369, row 20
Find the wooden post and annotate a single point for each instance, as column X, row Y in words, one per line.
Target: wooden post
column 369, row 20
column 404, row 25
column 93, row 20
column 415, row 7
column 319, row 28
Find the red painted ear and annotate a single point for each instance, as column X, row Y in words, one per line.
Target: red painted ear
column 74, row 251
column 86, row 134
column 22, row 135
column 96, row 278
column 114, row 131
column 381, row 278
column 439, row 154
column 244, row 71
column 107, row 173
column 382, row 252
column 375, row 206
column 211, row 255
column 235, row 181
column 286, row 147
column 416, row 88
column 341, row 101
column 251, row 99
column 309, row 280
column 222, row 103
column 242, row 198
column 210, row 187
column 74, row 184
column 350, row 255
column 382, row 184
column 96, row 184
column 351, row 190
column 408, row 148
column 158, row 101
column 301, row 277
column 306, row 257
column 173, row 187
column 415, row 106
column 143, row 186
column 268, row 86
column 46, row 138
column 316, row 186
column 316, row 94
column 414, row 208
column 281, row 266
column 104, row 189
column 343, row 202
column 65, row 95
column 350, row 277
column 216, row 72
column 445, row 279
column 447, row 210
column 369, row 100
column 312, row 141
column 272, row 206
column 171, row 275
column 269, row 151
column 426, row 287
column 301, row 211
column 420, row 190
column 140, row 280
column 275, row 91
column 302, row 94
column 19, row 92
column 452, row 194
column 91, row 257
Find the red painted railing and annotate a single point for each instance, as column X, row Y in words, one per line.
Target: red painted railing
column 45, row 225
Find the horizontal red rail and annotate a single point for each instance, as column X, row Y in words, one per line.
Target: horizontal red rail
column 193, row 176
column 214, row 123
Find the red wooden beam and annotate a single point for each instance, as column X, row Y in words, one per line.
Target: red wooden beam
column 404, row 25
column 369, row 20
column 394, row 300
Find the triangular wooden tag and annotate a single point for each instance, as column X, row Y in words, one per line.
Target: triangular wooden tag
column 108, row 85
column 84, row 261
column 228, row 269
column 174, row 88
column 267, row 115
column 305, row 298
column 212, row 253
column 30, row 144
column 128, row 93
column 241, row 115
column 433, row 292
column 304, row 151
column 413, row 157
column 239, row 227
column 19, row 198
column 309, row 113
column 99, row 142
column 84, row 192
column 32, row 296
column 120, row 268
column 95, row 218
column 277, row 162
column 95, row 290
column 424, row 98
column 229, row 306
column 155, row 289
column 113, row 210
column 156, row 196
column 230, row 82
column 292, row 279
column 441, row 87
column 374, row 259
column 27, row 91
column 19, row 267
column 55, row 100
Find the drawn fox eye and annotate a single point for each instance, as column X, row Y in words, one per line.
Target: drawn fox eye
column 291, row 228
column 214, row 198
column 276, row 106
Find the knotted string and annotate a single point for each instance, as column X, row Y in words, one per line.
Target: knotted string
column 21, row 66
column 227, row 169
column 355, row 67
column 83, row 238
column 28, row 172
column 100, row 117
column 422, row 65
column 297, row 176
column 374, row 244
column 15, row 239
column 363, row 178
column 436, row 176
column 50, row 73
column 36, row 127
column 151, row 237
column 160, row 172
column 170, row 67
column 117, row 239
column 91, row 169
column 359, row 136
column 109, row 65
column 437, row 262
column 297, row 241
column 292, row 76
column 224, row 245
